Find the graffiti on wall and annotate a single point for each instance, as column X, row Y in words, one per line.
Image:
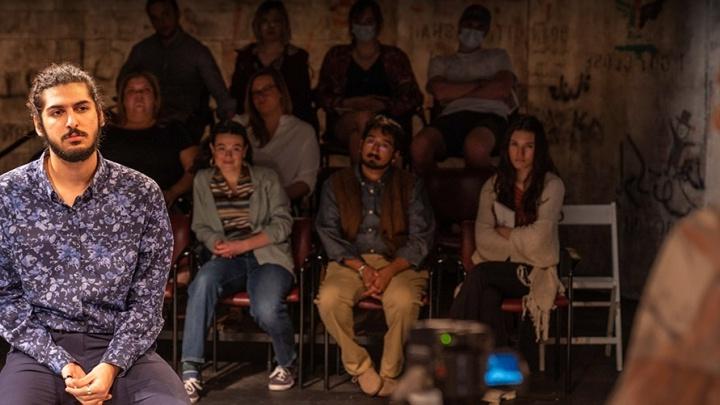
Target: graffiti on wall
column 564, row 92
column 436, row 31
column 571, row 126
column 628, row 64
column 549, row 39
column 638, row 13
column 676, row 181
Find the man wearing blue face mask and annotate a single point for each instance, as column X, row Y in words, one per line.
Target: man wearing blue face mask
column 364, row 78
column 473, row 88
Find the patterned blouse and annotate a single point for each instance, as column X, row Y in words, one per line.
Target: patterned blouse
column 233, row 206
column 99, row 266
column 332, row 83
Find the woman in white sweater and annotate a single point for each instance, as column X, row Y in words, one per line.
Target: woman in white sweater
column 516, row 238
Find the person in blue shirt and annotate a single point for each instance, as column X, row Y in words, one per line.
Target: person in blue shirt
column 85, row 248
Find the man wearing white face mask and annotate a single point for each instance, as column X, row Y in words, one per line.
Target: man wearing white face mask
column 364, row 78
column 473, row 87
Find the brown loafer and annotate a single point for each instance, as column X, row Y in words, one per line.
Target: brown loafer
column 370, row 382
column 388, row 387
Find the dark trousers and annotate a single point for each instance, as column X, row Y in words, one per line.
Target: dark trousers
column 150, row 381
column 481, row 295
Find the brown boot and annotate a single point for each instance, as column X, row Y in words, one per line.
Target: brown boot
column 370, row 382
column 388, row 387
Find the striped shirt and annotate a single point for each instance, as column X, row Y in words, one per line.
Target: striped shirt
column 233, row 206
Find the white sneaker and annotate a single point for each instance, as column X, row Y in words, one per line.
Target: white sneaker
column 495, row 396
column 193, row 386
column 281, row 379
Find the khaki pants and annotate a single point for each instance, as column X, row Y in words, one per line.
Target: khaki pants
column 341, row 290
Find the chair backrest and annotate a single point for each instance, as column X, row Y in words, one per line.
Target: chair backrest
column 596, row 214
column 455, row 193
column 467, row 243
column 301, row 240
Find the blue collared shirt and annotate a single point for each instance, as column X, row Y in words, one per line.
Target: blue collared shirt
column 421, row 224
column 99, row 266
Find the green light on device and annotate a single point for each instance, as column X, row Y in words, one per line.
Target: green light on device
column 446, row 339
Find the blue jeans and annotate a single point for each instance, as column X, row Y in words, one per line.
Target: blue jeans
column 267, row 286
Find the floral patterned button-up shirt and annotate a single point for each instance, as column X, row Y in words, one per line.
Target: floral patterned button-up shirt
column 99, row 266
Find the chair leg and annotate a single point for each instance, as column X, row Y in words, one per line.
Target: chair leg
column 440, row 272
column 214, row 343
column 311, row 332
column 568, row 346
column 618, row 335
column 337, row 359
column 326, row 360
column 175, row 330
column 611, row 319
column 430, row 298
column 301, row 336
column 311, row 335
column 269, row 356
column 556, row 346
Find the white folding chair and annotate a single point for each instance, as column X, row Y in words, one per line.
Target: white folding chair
column 603, row 214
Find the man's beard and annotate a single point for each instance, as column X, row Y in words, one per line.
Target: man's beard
column 372, row 163
column 76, row 155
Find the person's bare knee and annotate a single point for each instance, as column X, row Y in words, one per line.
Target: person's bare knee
column 426, row 147
column 479, row 143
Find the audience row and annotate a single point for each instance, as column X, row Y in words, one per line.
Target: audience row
column 376, row 227
column 471, row 90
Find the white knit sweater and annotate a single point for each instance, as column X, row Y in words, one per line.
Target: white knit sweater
column 535, row 244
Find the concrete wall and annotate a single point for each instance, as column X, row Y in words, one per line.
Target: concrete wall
column 626, row 88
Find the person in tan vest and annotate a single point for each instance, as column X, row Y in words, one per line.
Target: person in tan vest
column 376, row 225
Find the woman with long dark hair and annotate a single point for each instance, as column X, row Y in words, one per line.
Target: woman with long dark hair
column 516, row 237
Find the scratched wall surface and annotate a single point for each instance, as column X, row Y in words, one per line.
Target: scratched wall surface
column 621, row 87
column 626, row 88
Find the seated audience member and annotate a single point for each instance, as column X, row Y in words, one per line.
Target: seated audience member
column 242, row 216
column 280, row 140
column 473, row 87
column 365, row 77
column 516, row 237
column 675, row 346
column 163, row 152
column 185, row 68
column 271, row 26
column 376, row 225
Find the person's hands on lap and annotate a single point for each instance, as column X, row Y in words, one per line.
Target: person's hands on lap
column 92, row 388
column 229, row 249
column 382, row 280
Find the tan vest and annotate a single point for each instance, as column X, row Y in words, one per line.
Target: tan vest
column 396, row 194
